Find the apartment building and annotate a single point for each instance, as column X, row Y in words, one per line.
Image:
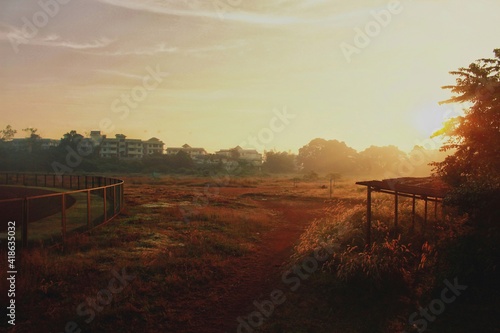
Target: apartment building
column 251, row 156
column 197, row 154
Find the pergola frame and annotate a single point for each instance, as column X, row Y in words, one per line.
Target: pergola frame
column 430, row 189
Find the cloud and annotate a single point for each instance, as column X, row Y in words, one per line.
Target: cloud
column 203, row 9
column 19, row 37
column 159, row 48
column 121, row 74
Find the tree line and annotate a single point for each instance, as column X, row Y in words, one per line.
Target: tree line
column 319, row 156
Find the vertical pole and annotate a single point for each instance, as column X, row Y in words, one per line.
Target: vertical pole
column 104, row 201
column 368, row 216
column 425, row 212
column 114, row 201
column 121, row 196
column 413, row 213
column 331, row 189
column 89, row 216
column 24, row 226
column 396, row 199
column 435, row 209
column 63, row 217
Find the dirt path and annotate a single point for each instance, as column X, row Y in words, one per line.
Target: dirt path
column 254, row 276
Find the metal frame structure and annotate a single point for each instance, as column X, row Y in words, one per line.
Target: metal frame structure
column 429, row 189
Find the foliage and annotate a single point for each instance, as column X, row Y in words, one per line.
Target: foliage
column 377, row 160
column 7, row 134
column 279, row 162
column 327, row 155
column 475, row 136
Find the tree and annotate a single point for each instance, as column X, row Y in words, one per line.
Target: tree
column 33, row 139
column 7, row 134
column 279, row 162
column 474, row 168
column 325, row 156
column 379, row 161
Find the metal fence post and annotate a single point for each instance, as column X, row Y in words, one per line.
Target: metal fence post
column 104, row 201
column 114, row 200
column 89, row 216
column 63, row 217
column 24, row 225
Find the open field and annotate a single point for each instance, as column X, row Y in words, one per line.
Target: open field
column 195, row 254
column 200, row 254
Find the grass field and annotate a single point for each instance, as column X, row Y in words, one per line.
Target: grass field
column 195, row 254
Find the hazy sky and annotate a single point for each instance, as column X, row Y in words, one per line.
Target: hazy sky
column 214, row 73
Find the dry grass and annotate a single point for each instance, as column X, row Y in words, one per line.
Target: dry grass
column 176, row 235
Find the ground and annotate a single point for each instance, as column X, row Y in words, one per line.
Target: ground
column 201, row 252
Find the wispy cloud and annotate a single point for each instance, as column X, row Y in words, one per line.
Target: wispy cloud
column 160, row 48
column 14, row 35
column 199, row 9
column 121, row 74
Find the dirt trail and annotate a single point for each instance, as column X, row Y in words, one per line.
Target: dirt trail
column 254, row 276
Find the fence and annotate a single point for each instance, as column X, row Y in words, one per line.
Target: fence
column 49, row 208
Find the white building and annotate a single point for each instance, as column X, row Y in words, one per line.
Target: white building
column 197, row 154
column 251, row 156
column 153, row 146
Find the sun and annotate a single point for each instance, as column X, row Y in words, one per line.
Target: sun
column 431, row 118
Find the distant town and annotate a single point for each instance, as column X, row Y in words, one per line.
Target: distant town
column 125, row 148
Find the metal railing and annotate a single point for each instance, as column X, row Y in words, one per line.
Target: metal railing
column 51, row 208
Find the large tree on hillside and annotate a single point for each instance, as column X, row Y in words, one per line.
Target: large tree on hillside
column 474, row 168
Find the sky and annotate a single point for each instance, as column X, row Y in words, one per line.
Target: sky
column 264, row 74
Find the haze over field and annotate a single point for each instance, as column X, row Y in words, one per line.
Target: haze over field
column 214, row 73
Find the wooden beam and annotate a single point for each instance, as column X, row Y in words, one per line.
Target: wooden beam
column 396, row 199
column 368, row 215
column 413, row 213
column 425, row 213
column 435, row 210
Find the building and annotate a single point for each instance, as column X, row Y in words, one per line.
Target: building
column 153, row 146
column 251, row 156
column 26, row 144
column 96, row 137
column 197, row 154
column 121, row 147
